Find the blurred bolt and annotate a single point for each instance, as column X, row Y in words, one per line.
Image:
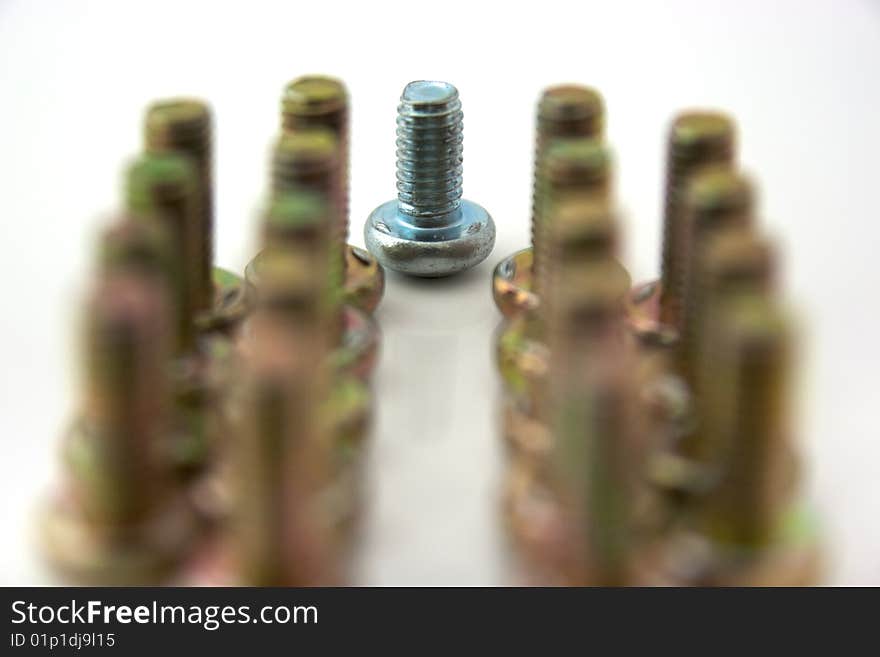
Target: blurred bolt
column 322, row 102
column 120, row 521
column 746, row 412
column 309, row 160
column 759, row 532
column 163, row 188
column 599, row 454
column 570, row 167
column 184, row 126
column 429, row 230
column 275, row 528
column 696, row 139
column 717, row 199
column 736, row 263
column 567, row 111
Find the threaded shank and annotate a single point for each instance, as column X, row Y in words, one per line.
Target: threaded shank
column 717, row 199
column 576, row 167
column 564, row 111
column 696, row 140
column 276, row 459
column 308, row 161
column 322, row 102
column 126, row 400
column 184, row 126
column 429, row 151
column 298, row 222
column 734, row 264
column 162, row 188
column 748, row 415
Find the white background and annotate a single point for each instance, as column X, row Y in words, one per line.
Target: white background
column 802, row 78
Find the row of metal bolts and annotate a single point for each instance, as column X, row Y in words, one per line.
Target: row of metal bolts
column 220, row 438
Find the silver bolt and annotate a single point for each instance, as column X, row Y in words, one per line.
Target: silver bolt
column 429, row 230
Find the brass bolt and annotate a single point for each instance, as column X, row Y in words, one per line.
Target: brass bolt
column 126, row 400
column 280, row 460
column 746, row 411
column 717, row 199
column 568, row 111
column 564, row 111
column 119, row 521
column 322, row 102
column 581, row 245
column 570, row 167
column 295, row 227
column 696, row 139
column 184, row 126
column 736, row 263
column 309, row 160
column 163, row 188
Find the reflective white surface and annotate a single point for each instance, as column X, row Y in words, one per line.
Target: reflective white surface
column 802, row 79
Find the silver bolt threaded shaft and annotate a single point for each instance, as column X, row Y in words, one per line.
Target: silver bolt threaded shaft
column 429, row 229
column 429, row 151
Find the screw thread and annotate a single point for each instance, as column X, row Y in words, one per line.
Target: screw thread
column 735, row 264
column 429, row 152
column 132, row 245
column 279, row 461
column 184, row 126
column 717, row 199
column 162, row 189
column 596, row 437
column 126, row 403
column 309, row 160
column 696, row 140
column 747, row 411
column 581, row 245
column 322, row 102
column 571, row 168
column 564, row 111
column 299, row 223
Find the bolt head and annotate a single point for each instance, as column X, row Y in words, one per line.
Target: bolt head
column 364, row 280
column 512, row 284
column 457, row 242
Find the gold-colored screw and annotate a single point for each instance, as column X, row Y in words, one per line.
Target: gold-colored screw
column 717, row 199
column 592, row 414
column 746, row 410
column 281, row 460
column 184, row 126
column 309, row 160
column 118, row 521
column 696, row 139
column 564, row 111
column 163, row 188
column 736, row 263
column 322, row 102
column 570, row 167
column 126, row 401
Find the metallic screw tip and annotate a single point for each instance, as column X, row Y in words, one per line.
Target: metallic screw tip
column 314, row 95
column 697, row 140
column 719, row 188
column 183, row 126
column 429, row 92
column 695, row 129
column 429, row 230
column 294, row 216
column 570, row 103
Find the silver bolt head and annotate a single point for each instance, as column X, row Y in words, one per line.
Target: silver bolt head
column 457, row 242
